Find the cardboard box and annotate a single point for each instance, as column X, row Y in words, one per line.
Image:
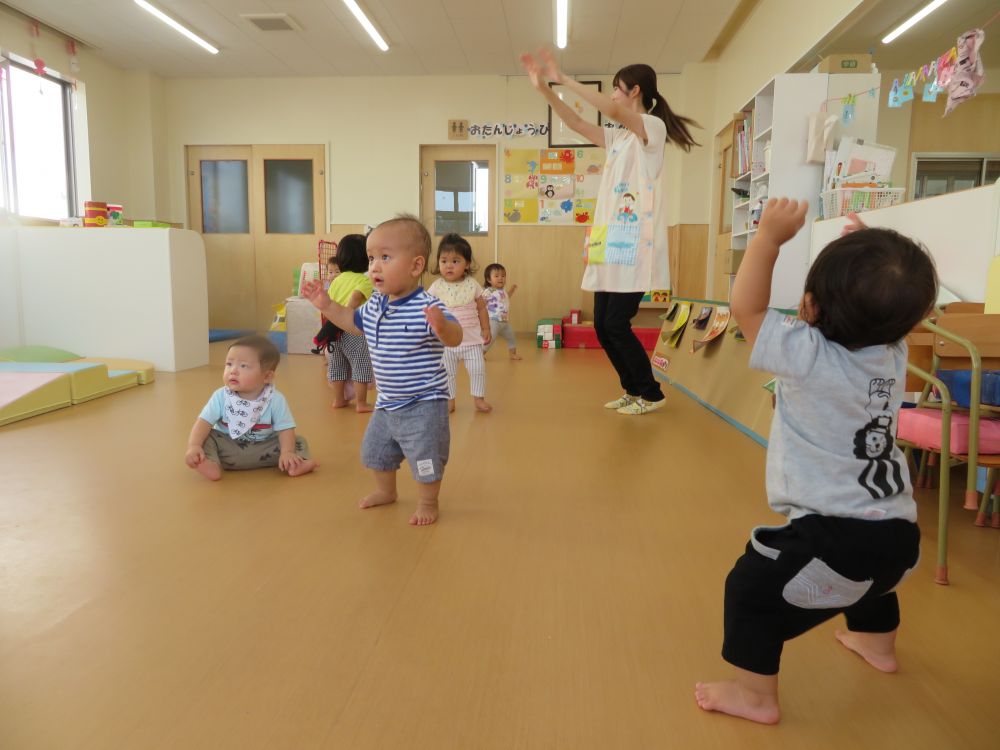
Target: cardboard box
column 855, row 63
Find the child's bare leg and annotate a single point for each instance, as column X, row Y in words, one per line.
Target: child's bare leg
column 451, row 405
column 385, row 490
column 361, row 396
column 339, row 402
column 513, row 353
column 209, row 469
column 427, row 504
column 878, row 649
column 749, row 696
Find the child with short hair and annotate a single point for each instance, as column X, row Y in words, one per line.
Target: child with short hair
column 406, row 330
column 464, row 299
column 833, row 467
column 348, row 359
column 247, row 424
column 498, row 307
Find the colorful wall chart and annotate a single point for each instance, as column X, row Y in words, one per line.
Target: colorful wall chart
column 551, row 185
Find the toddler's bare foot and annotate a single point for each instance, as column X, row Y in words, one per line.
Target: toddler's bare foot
column 303, row 468
column 364, row 408
column 482, row 406
column 340, row 404
column 878, row 649
column 426, row 513
column 737, row 700
column 209, row 470
column 451, row 405
column 377, row 498
column 514, row 356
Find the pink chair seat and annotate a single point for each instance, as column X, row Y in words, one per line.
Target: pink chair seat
column 922, row 427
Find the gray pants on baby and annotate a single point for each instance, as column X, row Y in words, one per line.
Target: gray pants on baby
column 501, row 328
column 418, row 432
column 238, row 455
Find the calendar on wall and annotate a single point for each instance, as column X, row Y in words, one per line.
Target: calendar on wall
column 556, row 186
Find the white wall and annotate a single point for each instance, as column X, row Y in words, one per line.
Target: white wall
column 777, row 35
column 373, row 127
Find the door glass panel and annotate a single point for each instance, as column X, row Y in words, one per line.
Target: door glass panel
column 288, row 196
column 461, row 197
column 992, row 171
column 939, row 176
column 224, row 197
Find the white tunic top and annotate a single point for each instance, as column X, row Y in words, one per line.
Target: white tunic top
column 627, row 246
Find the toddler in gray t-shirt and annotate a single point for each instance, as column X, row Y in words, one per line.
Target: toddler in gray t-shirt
column 833, row 467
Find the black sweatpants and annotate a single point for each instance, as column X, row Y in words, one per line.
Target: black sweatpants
column 613, row 313
column 800, row 575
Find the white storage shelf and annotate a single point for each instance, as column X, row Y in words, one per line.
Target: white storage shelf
column 780, row 116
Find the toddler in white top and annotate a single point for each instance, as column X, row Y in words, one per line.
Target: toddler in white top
column 498, row 306
column 463, row 296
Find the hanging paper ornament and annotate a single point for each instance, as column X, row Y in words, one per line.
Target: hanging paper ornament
column 39, row 66
column 905, row 94
column 871, row 93
column 894, row 101
column 946, row 67
column 847, row 115
column 74, row 63
column 931, row 92
column 969, row 73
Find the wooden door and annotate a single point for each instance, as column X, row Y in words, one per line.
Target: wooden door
column 219, row 208
column 723, row 240
column 289, row 209
column 458, row 194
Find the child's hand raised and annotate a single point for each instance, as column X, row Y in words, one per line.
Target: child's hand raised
column 313, row 291
column 533, row 69
column 854, row 224
column 436, row 319
column 782, row 219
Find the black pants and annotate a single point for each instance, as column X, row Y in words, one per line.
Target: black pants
column 807, row 572
column 613, row 313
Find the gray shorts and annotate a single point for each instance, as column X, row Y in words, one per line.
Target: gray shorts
column 418, row 432
column 240, row 456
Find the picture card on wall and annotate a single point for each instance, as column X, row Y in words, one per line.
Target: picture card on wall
column 520, row 210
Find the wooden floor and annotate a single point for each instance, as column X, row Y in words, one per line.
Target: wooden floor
column 569, row 597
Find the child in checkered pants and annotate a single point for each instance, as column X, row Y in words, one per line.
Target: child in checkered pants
column 348, row 358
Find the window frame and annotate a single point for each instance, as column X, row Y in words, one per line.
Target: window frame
column 984, row 157
column 8, row 165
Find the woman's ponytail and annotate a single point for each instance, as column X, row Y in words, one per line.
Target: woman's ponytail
column 677, row 125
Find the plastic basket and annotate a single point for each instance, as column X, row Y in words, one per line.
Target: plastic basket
column 842, row 201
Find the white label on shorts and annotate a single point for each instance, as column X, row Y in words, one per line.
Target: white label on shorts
column 425, row 468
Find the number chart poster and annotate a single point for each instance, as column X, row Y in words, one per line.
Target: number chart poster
column 555, row 186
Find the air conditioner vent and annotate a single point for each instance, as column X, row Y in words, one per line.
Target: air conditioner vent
column 272, row 21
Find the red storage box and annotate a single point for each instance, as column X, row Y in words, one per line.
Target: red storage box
column 647, row 336
column 580, row 337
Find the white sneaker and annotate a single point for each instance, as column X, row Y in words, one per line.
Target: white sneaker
column 641, row 406
column 618, row 403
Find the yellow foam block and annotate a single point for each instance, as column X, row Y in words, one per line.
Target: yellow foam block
column 93, row 382
column 143, row 369
column 28, row 394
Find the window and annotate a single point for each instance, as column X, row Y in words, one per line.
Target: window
column 36, row 155
column 937, row 174
column 461, row 197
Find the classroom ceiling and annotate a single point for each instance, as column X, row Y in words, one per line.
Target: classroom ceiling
column 426, row 37
column 924, row 42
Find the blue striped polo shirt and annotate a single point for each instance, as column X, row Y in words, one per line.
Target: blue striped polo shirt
column 406, row 354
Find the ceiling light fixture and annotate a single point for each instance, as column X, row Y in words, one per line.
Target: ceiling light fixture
column 562, row 23
column 914, row 19
column 177, row 26
column 368, row 25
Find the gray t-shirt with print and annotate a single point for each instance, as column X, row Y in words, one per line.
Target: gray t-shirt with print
column 832, row 448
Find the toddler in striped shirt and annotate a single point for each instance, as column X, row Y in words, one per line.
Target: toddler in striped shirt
column 407, row 330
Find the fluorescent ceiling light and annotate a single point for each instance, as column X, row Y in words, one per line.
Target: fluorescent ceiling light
column 562, row 22
column 177, row 26
column 368, row 25
column 915, row 18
